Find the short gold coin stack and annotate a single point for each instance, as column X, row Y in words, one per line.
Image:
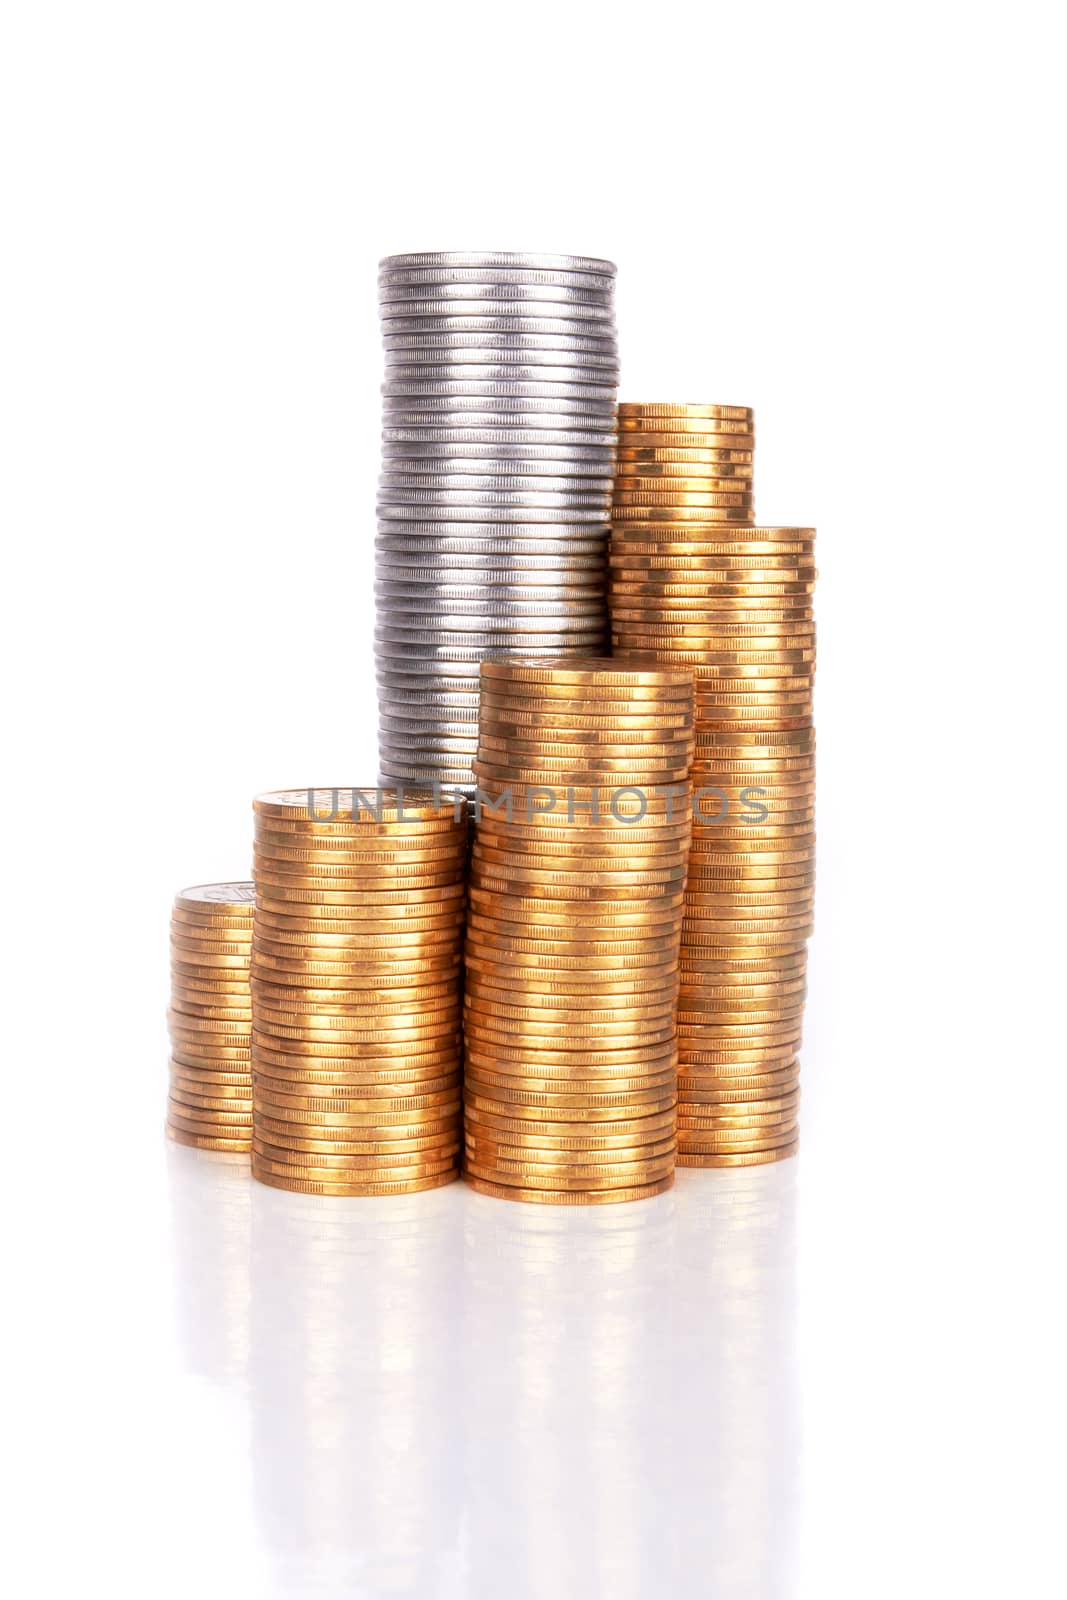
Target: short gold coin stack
column 210, row 1018
column 577, row 890
column 707, row 589
column 356, row 985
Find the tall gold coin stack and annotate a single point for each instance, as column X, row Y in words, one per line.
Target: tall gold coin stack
column 577, row 887
column 210, row 1018
column 734, row 604
column 356, row 983
column 683, row 465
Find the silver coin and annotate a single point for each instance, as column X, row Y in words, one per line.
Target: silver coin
column 482, row 387
column 495, row 615
column 482, row 516
column 395, row 732
column 501, row 411
column 475, row 646
column 488, row 560
column 503, row 293
column 498, row 258
column 476, row 325
column 477, row 569
column 526, row 443
column 495, row 316
column 492, row 619
column 410, row 745
column 515, row 368
column 477, row 536
column 519, row 585
column 486, row 499
column 565, row 459
column 440, row 477
column 585, row 349
column 454, row 707
column 436, row 677
column 411, row 703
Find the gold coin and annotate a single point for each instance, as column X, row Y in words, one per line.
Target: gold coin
column 724, row 1144
column 750, row 1159
column 605, row 1117
column 211, row 1013
column 513, row 977
column 500, row 1191
column 227, row 1124
column 334, row 1069
column 596, row 710
column 231, row 896
column 670, row 408
column 488, row 1149
column 356, row 1140
column 525, row 1168
column 564, row 1133
column 395, row 896
column 206, row 1141
column 564, row 1067
column 269, row 1097
column 432, row 824
column 587, row 672
column 351, row 1190
column 362, row 1050
column 720, row 457
column 354, row 1002
column 370, row 1169
column 414, row 804
column 382, row 1115
column 313, row 1151
column 183, row 1025
column 595, row 1180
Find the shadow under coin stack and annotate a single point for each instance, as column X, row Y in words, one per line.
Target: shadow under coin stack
column 494, row 500
column 210, row 1018
column 356, row 983
column 699, row 585
column 572, row 942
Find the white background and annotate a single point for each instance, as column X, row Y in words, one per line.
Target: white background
column 844, row 1379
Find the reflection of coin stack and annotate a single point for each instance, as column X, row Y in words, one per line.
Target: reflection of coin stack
column 211, row 1210
column 572, row 948
column 570, row 1400
column 733, row 1356
column 356, row 1404
column 493, row 505
column 210, row 1102
column 356, row 979
column 698, row 587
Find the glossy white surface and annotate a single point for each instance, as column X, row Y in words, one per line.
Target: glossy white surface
column 448, row 1395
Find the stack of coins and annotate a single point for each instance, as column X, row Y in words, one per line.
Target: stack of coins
column 210, row 1018
column 356, row 981
column 577, row 887
column 493, row 507
column 734, row 604
column 681, row 464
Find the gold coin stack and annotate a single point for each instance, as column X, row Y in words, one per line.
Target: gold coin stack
column 577, row 888
column 210, row 1018
column 683, row 464
column 734, row 605
column 356, row 983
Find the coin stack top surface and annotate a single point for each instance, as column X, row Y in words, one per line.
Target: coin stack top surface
column 577, row 887
column 210, row 1101
column 356, row 986
column 493, row 505
column 734, row 604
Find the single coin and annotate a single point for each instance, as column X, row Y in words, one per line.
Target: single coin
column 351, row 1190
column 750, row 1159
column 204, row 1141
column 500, row 1191
column 529, row 1180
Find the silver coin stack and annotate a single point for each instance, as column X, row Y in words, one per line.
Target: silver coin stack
column 498, row 445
